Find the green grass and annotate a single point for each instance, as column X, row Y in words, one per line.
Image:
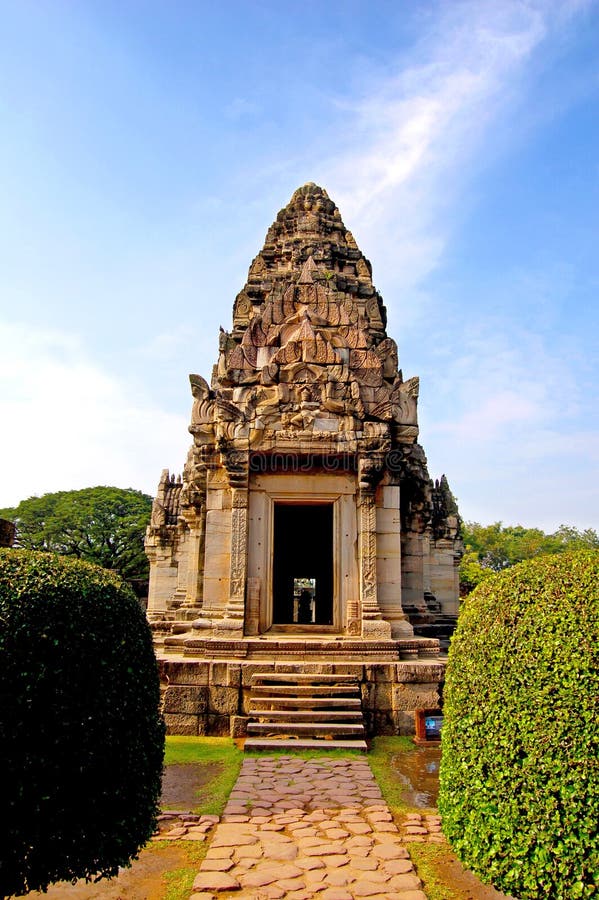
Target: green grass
column 180, row 881
column 429, row 860
column 221, row 754
column 201, row 750
column 382, row 749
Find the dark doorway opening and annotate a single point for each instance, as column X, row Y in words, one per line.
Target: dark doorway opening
column 303, row 565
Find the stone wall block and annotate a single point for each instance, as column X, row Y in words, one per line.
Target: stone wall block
column 177, row 723
column 383, row 722
column 233, row 675
column 175, row 672
column 219, row 726
column 185, row 699
column 379, row 672
column 368, row 696
column 219, row 672
column 411, row 697
column 404, row 722
column 223, row 701
column 383, row 696
column 238, row 726
column 416, row 672
column 349, row 669
column 306, row 668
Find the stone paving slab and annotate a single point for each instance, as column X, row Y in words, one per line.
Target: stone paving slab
column 296, row 829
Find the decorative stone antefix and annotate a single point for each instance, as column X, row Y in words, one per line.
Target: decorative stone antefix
column 305, row 506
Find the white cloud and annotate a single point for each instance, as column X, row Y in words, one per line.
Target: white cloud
column 410, row 140
column 68, row 424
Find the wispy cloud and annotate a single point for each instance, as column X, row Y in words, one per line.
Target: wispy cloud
column 67, row 422
column 411, row 136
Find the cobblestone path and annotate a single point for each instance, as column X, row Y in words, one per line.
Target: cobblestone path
column 298, row 829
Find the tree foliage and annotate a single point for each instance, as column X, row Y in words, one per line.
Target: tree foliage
column 492, row 548
column 81, row 736
column 102, row 525
column 519, row 785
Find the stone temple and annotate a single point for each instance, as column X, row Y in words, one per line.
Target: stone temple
column 305, row 536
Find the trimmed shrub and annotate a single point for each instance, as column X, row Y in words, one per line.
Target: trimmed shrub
column 81, row 736
column 519, row 791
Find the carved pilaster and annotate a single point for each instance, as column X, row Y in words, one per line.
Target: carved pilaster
column 239, row 526
column 370, row 607
column 369, row 472
column 237, row 465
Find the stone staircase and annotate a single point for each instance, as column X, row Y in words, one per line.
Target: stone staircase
column 298, row 711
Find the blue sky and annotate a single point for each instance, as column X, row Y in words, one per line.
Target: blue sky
column 146, row 147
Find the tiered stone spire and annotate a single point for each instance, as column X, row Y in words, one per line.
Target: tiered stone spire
column 308, row 351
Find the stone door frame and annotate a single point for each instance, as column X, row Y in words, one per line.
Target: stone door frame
column 268, row 490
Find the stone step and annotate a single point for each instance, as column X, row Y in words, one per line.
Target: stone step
column 302, row 710
column 305, row 689
column 302, row 744
column 305, row 728
column 301, row 678
column 308, row 715
column 310, row 702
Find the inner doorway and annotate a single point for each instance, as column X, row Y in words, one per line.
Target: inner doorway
column 303, row 564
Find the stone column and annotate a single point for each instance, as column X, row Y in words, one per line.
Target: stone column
column 196, row 520
column 445, row 575
column 412, row 567
column 163, row 577
column 389, row 561
column 180, row 592
column 373, row 625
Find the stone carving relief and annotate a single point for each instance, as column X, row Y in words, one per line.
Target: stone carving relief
column 305, row 333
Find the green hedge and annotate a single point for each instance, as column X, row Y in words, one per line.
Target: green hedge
column 519, row 792
column 81, row 736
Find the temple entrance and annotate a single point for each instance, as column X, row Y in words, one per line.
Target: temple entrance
column 303, row 565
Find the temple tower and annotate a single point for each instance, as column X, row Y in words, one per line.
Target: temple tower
column 305, row 506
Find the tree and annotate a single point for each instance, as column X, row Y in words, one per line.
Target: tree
column 472, row 573
column 492, row 548
column 519, row 781
column 81, row 736
column 102, row 525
